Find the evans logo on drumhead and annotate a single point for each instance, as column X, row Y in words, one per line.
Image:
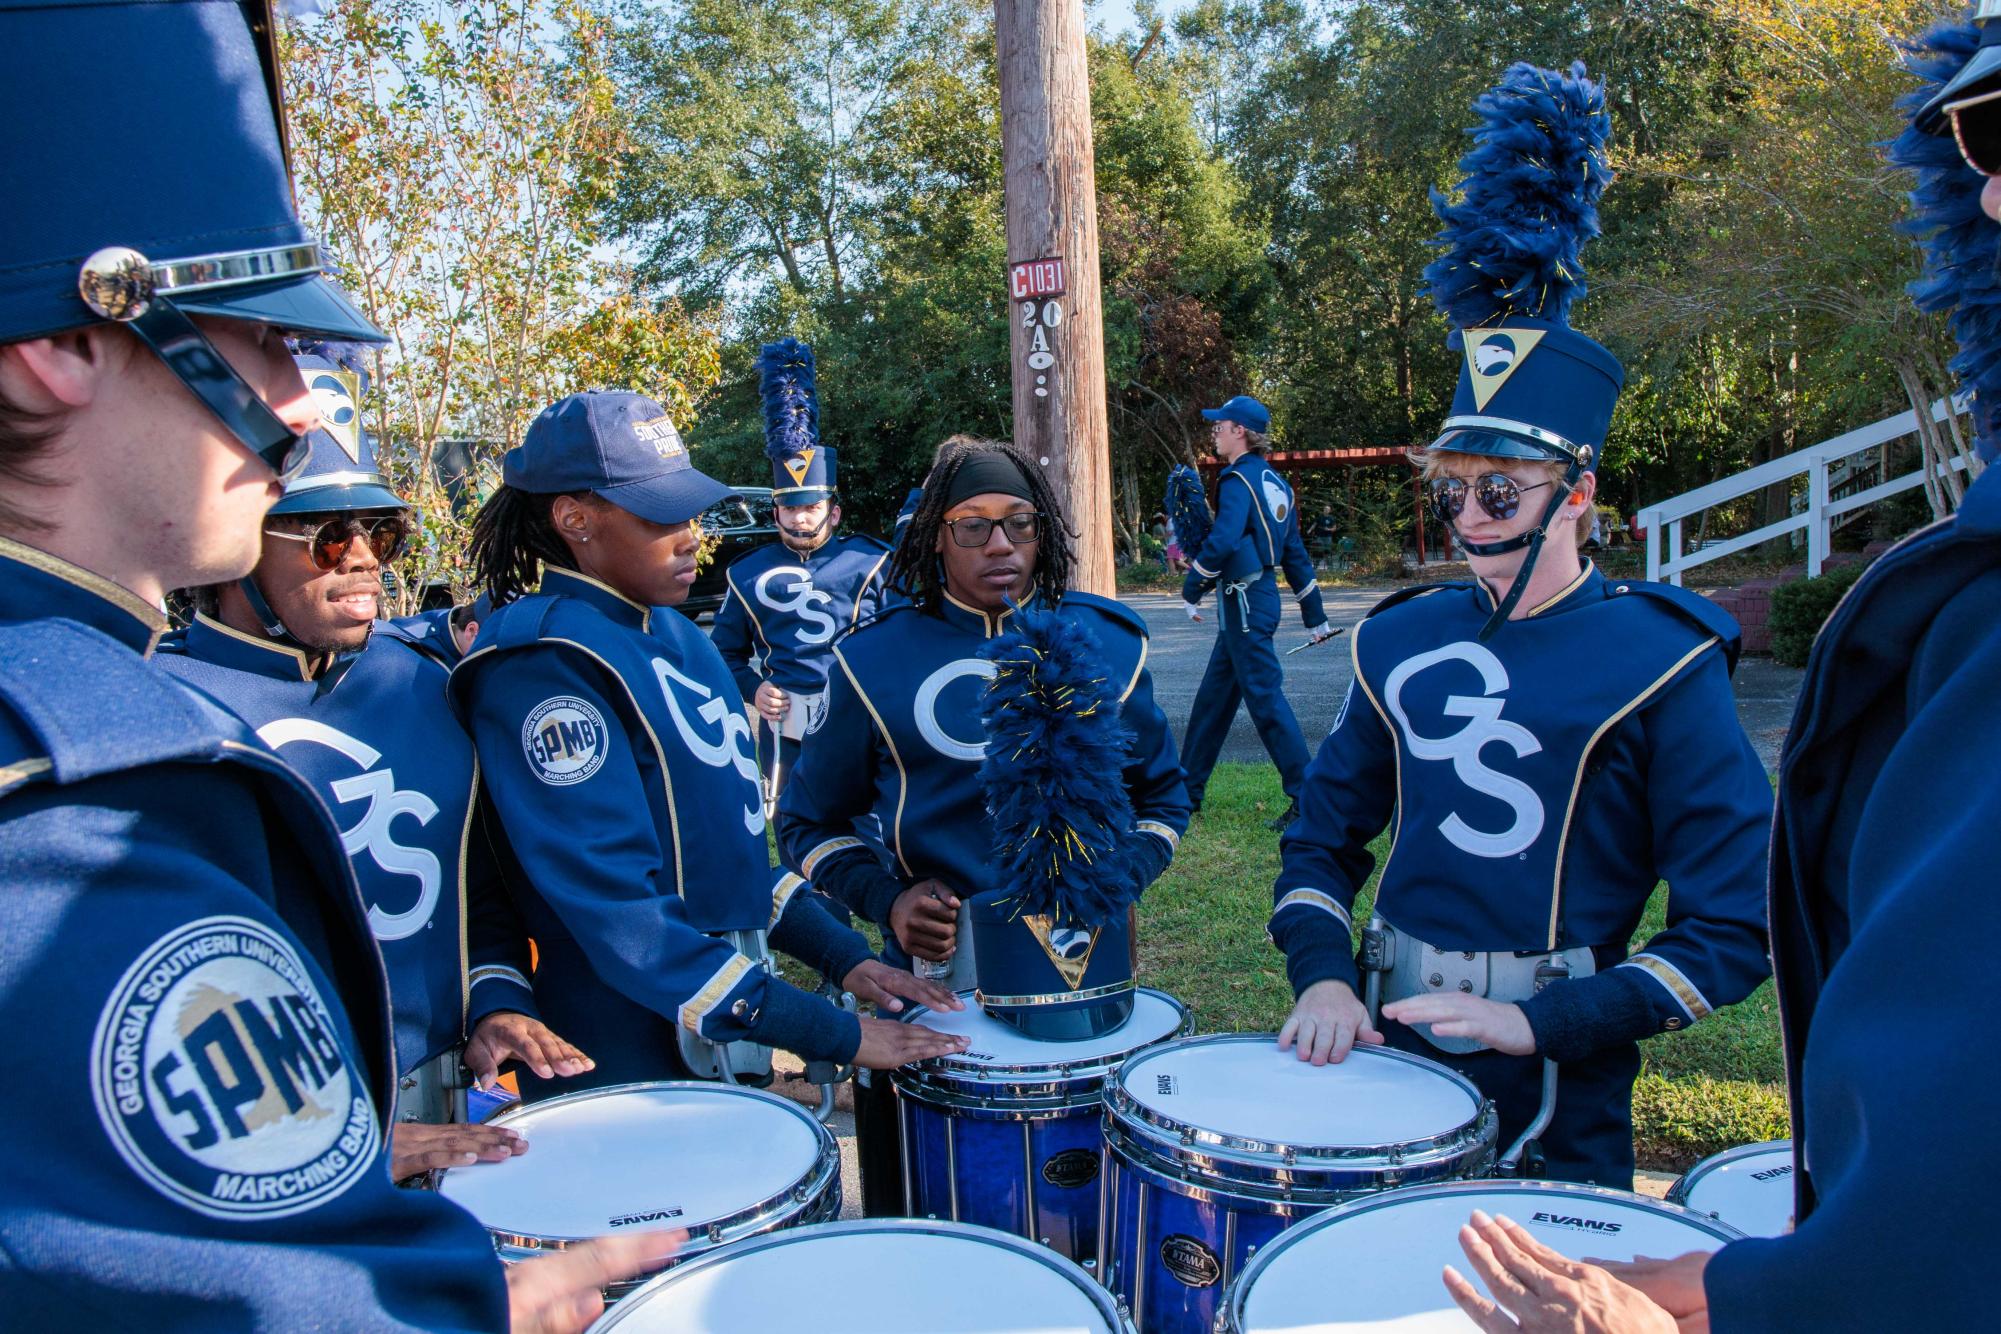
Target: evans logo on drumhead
column 1576, row 1224
column 650, row 1216
column 1071, row 1168
column 1190, row 1261
column 1773, row 1173
column 218, row 1077
column 565, row 740
column 1166, row 1086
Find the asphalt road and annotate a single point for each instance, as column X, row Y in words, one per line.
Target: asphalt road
column 1316, row 679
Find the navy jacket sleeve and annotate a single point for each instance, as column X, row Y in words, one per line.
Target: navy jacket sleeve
column 1300, row 577
column 1346, row 800
column 1899, row 1054
column 1233, row 517
column 802, row 927
column 1710, row 808
column 831, row 787
column 496, row 937
column 600, row 870
column 733, row 636
column 1155, row 782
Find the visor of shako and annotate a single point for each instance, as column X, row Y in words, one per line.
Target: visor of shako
column 804, row 477
column 161, row 194
column 1052, row 983
column 1531, row 389
column 341, row 472
column 1980, row 74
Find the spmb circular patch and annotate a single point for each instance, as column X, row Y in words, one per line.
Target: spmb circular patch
column 220, row 1080
column 565, row 740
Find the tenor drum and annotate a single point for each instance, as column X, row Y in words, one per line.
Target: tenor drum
column 1007, row 1133
column 1374, row 1264
column 1749, row 1187
column 887, row 1276
column 725, row 1163
column 1217, row 1144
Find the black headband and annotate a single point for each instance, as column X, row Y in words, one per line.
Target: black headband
column 988, row 474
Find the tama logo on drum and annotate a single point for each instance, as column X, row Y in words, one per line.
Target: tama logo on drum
column 650, row 1216
column 1577, row 1224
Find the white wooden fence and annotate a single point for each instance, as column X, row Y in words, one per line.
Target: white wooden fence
column 1663, row 521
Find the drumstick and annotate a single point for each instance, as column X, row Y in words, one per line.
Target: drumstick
column 1311, row 642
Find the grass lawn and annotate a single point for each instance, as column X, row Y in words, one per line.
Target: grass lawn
column 1708, row 1087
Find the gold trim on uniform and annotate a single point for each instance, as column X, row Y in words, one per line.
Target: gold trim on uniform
column 1162, row 832
column 119, row 596
column 781, row 894
column 1692, row 1002
column 811, row 861
column 298, row 656
column 645, row 612
column 1563, row 592
column 1313, row 898
column 496, row 972
column 698, row 1006
column 902, row 774
column 20, row 771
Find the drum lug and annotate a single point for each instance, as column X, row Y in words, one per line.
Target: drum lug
column 715, row 1234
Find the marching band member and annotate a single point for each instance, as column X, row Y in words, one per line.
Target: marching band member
column 901, row 743
column 618, row 764
column 194, row 1001
column 1552, row 743
column 289, row 649
column 1255, row 532
column 788, row 600
column 1882, row 856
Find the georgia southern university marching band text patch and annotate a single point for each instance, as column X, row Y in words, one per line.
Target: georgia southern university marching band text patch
column 219, row 1078
column 564, row 739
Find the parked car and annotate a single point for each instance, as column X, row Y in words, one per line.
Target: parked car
column 744, row 523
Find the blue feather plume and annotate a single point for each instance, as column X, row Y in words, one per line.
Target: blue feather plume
column 791, row 405
column 1959, row 242
column 1054, row 773
column 1188, row 508
column 1531, row 189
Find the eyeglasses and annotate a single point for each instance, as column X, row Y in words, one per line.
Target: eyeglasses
column 1976, row 127
column 1499, row 494
column 386, row 536
column 975, row 529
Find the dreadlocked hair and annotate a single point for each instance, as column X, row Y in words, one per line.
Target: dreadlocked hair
column 915, row 568
column 513, row 537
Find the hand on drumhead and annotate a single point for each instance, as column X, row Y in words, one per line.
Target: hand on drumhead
column 1675, row 1285
column 887, row 988
column 562, row 1293
column 887, row 1044
column 415, row 1149
column 1451, row 1014
column 1536, row 1289
column 1326, row 1023
column 925, row 918
column 508, row 1035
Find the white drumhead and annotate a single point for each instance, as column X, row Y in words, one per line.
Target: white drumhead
column 1154, row 1017
column 1751, row 1190
column 1251, row 1089
column 1375, row 1265
column 888, row 1278
column 631, row 1157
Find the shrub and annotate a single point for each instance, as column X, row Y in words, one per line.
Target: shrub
column 1679, row 1122
column 1801, row 607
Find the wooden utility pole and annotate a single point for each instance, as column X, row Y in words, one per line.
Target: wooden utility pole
column 1058, row 339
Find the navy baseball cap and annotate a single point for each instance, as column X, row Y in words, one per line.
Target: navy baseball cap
column 1245, row 411
column 619, row 445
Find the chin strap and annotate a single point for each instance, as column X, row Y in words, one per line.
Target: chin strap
column 819, row 533
column 261, row 609
column 1533, row 540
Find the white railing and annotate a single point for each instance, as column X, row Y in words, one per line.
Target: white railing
column 1663, row 521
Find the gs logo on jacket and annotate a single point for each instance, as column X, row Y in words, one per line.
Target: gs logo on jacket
column 376, row 739
column 786, row 610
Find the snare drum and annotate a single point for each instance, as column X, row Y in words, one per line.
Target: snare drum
column 722, row 1162
column 1374, row 1264
column 1007, row 1133
column 888, row 1276
column 1218, row 1143
column 1749, row 1187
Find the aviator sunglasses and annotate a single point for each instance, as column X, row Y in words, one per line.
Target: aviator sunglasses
column 1976, row 127
column 974, row 529
column 386, row 536
column 1499, row 494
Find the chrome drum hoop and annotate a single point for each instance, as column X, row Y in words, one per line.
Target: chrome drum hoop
column 1263, row 1169
column 813, row 1197
column 1686, row 1183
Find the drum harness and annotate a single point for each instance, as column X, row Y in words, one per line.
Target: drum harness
column 1405, row 966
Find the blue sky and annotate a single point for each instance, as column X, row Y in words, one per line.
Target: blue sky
column 1112, row 15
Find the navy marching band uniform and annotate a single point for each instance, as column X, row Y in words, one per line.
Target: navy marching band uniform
column 1256, row 532
column 1538, row 820
column 196, row 1008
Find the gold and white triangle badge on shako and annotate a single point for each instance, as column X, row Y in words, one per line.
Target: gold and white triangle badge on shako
column 337, row 393
column 798, row 465
column 1494, row 355
column 1069, row 948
